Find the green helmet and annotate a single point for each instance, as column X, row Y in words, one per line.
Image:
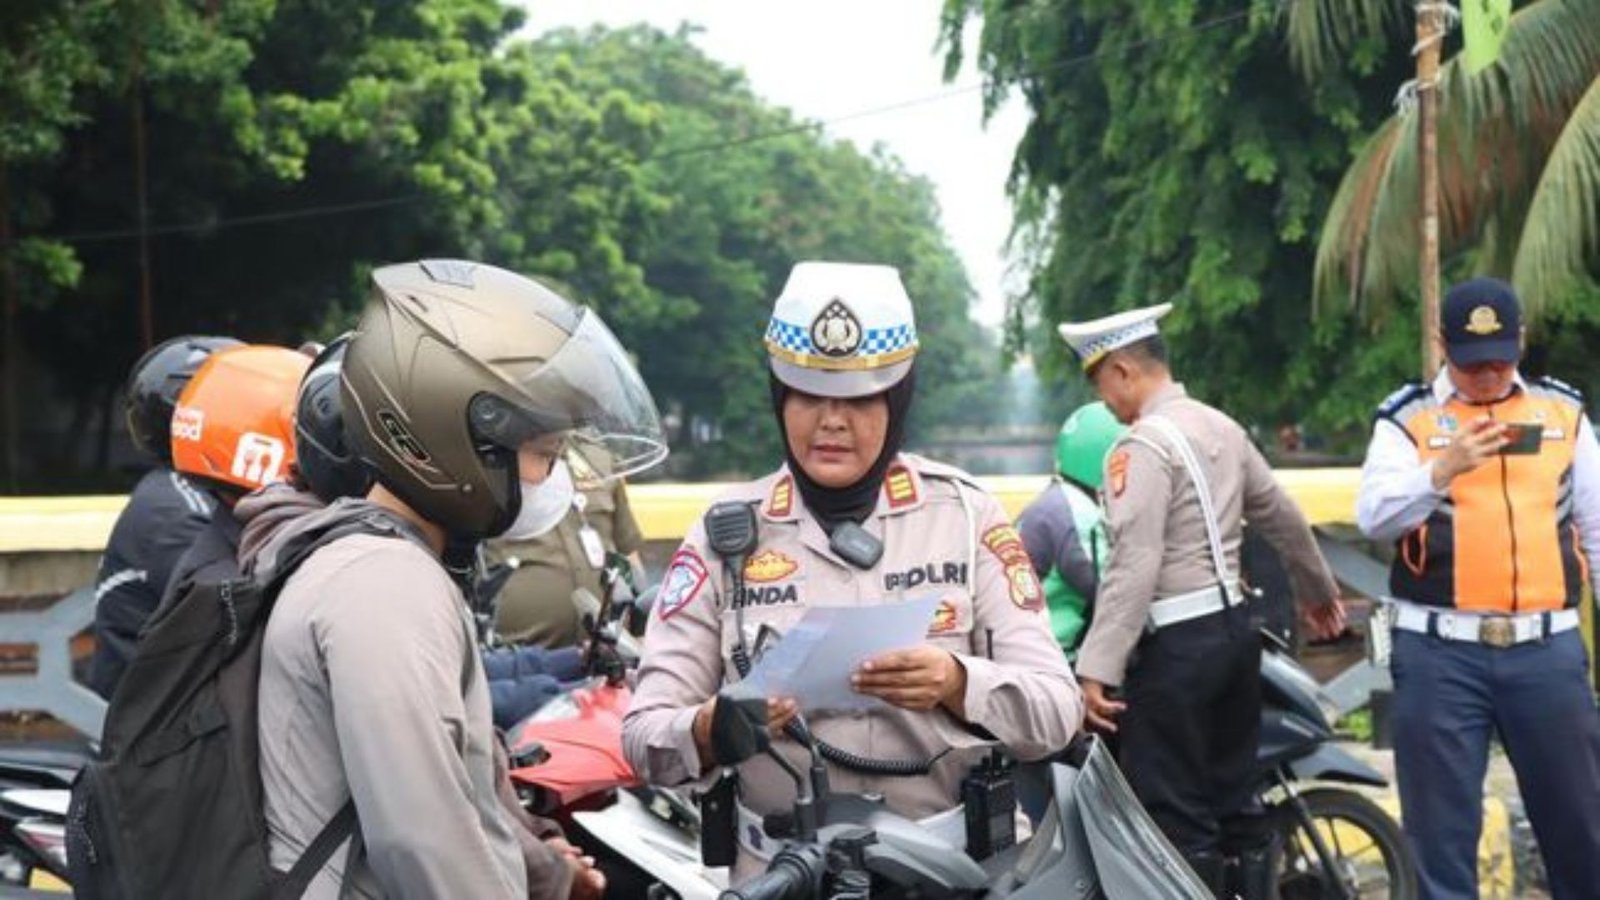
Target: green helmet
column 1085, row 439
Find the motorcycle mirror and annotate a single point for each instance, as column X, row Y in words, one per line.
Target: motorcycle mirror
column 738, row 727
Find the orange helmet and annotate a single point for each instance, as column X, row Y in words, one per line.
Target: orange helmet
column 234, row 423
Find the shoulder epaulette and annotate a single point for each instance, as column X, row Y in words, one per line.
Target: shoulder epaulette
column 1136, row 435
column 1411, row 394
column 1560, row 387
column 928, row 468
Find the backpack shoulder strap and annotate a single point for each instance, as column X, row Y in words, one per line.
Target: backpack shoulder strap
column 344, row 823
column 341, row 826
column 300, row 547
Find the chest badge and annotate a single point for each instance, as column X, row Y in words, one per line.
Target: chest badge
column 945, row 618
column 767, row 566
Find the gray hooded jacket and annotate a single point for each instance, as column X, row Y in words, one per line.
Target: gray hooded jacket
column 362, row 675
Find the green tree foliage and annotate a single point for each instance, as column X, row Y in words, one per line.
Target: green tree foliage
column 1533, row 119
column 1174, row 154
column 292, row 145
column 396, row 125
column 751, row 190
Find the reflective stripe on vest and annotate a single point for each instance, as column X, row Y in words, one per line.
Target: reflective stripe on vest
column 1503, row 540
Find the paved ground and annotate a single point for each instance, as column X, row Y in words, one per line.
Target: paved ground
column 1508, row 858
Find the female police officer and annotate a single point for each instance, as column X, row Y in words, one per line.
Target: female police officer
column 841, row 344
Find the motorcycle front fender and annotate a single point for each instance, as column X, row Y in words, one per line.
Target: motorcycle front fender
column 1101, row 838
column 670, row 855
column 1330, row 762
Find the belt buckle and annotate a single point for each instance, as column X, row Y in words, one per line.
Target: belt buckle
column 1497, row 631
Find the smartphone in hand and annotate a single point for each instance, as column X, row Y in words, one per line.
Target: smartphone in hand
column 1523, row 437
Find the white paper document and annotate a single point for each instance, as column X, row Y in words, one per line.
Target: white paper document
column 814, row 661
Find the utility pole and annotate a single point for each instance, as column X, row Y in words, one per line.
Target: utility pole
column 13, row 347
column 141, row 195
column 1431, row 25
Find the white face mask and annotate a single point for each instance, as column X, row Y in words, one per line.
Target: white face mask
column 544, row 505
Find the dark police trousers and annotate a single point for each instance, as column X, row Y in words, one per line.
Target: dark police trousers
column 1448, row 698
column 1188, row 739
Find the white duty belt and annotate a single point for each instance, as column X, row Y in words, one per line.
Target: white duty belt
column 1167, row 611
column 1193, row 605
column 949, row 826
column 1490, row 629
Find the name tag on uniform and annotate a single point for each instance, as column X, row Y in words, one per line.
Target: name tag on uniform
column 594, row 549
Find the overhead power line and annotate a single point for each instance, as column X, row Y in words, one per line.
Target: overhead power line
column 320, row 211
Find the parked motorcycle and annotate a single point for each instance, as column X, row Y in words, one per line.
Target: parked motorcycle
column 35, row 787
column 568, row 764
column 42, row 765
column 1094, row 840
column 33, row 845
column 1336, row 844
column 1334, row 841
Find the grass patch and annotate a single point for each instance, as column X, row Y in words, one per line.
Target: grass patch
column 1357, row 726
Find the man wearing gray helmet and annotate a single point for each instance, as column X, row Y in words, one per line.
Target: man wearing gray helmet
column 459, row 387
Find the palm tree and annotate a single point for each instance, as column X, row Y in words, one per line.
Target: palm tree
column 1519, row 157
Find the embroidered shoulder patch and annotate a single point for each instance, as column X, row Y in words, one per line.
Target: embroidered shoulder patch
column 686, row 575
column 1117, row 472
column 1004, row 542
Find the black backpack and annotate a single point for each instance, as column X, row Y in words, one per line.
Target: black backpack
column 174, row 806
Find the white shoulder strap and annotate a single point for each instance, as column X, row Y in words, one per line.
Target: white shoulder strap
column 1191, row 463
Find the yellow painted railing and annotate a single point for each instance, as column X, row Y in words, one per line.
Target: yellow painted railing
column 664, row 511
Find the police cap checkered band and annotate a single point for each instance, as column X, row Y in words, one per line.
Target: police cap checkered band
column 879, row 346
column 842, row 317
column 1091, row 341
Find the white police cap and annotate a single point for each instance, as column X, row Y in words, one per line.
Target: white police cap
column 1091, row 341
column 842, row 330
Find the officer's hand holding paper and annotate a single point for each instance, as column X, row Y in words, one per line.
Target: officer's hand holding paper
column 817, row 656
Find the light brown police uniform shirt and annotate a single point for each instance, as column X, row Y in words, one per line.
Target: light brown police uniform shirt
column 1159, row 546
column 1024, row 696
column 536, row 604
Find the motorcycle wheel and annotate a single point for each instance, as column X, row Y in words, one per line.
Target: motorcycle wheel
column 1366, row 844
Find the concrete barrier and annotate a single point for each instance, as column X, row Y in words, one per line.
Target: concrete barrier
column 665, row 511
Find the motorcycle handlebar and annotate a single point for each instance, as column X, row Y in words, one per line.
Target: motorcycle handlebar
column 792, row 875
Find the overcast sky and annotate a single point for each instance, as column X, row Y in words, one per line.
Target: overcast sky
column 838, row 59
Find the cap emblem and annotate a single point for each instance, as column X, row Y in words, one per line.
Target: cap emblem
column 1483, row 320
column 835, row 331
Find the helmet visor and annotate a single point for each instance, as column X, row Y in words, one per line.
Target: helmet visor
column 591, row 392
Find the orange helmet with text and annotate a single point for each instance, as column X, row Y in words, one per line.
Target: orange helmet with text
column 233, row 425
